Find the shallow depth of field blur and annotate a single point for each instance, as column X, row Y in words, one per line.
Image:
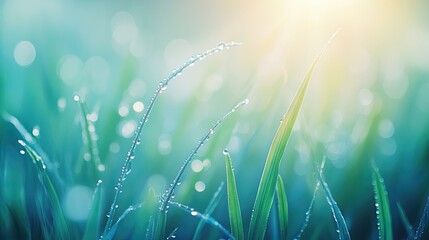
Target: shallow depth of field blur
column 368, row 100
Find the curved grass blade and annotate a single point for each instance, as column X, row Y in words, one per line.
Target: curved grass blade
column 209, row 210
column 112, row 230
column 343, row 232
column 162, row 86
column 31, row 142
column 422, row 223
column 404, row 219
column 160, row 225
column 382, row 205
column 233, row 201
column 165, row 198
column 150, row 229
column 265, row 194
column 310, row 208
column 92, row 225
column 204, row 217
column 91, row 137
column 172, row 235
column 282, row 208
column 59, row 227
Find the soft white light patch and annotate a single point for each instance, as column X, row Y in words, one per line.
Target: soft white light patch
column 70, row 69
column 24, row 53
column 128, row 128
column 200, row 186
column 386, row 129
column 77, row 203
column 124, row 28
column 138, row 106
column 197, row 165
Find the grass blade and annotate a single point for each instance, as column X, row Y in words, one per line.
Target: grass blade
column 205, row 218
column 160, row 225
column 162, row 86
column 404, row 219
column 282, row 208
column 59, row 223
column 343, row 232
column 310, row 208
column 382, row 205
column 92, row 225
column 92, row 152
column 209, row 210
column 165, row 198
column 172, row 235
column 233, row 201
column 150, row 229
column 422, row 223
column 111, row 233
column 265, row 194
column 31, row 142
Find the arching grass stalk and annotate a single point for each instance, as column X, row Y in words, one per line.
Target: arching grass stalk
column 126, row 167
column 384, row 219
column 204, row 217
column 32, row 142
column 310, row 208
column 422, row 223
column 343, row 232
column 165, row 198
column 209, row 210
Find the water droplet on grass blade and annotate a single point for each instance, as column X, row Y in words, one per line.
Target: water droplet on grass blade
column 76, row 98
column 225, row 152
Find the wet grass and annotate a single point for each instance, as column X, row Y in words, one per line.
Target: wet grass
column 148, row 214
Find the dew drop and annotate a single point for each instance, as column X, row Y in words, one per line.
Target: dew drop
column 194, row 213
column 76, row 98
column 221, row 46
column 22, row 152
column 225, row 152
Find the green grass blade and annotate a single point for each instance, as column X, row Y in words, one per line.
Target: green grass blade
column 310, row 207
column 111, row 233
column 160, row 225
column 404, row 219
column 150, row 229
column 282, row 208
column 172, row 235
column 31, row 142
column 265, row 194
column 205, row 218
column 233, row 201
column 382, row 205
column 422, row 223
column 343, row 232
column 91, row 139
column 209, row 210
column 165, row 198
column 93, row 222
column 59, row 223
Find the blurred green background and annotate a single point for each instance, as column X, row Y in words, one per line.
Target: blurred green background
column 368, row 99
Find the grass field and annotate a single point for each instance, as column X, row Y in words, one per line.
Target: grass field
column 214, row 120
